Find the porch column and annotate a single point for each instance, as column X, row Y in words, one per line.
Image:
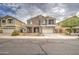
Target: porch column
column 40, row 30
column 47, row 22
column 27, row 30
column 32, row 29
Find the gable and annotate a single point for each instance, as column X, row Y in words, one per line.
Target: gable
column 10, row 17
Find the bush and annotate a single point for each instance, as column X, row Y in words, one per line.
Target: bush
column 1, row 31
column 15, row 33
column 67, row 33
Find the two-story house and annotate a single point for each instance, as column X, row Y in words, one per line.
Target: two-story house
column 41, row 25
column 8, row 24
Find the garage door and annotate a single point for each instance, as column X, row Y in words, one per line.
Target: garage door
column 47, row 30
column 7, row 30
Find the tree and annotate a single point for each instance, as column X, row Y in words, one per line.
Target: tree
column 70, row 22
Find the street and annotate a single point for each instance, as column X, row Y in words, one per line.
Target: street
column 39, row 47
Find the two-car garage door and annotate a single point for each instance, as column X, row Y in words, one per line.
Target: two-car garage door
column 47, row 30
column 7, row 30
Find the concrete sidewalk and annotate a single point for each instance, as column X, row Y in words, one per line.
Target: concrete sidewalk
column 40, row 37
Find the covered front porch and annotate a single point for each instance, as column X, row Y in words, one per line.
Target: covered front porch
column 74, row 31
column 33, row 30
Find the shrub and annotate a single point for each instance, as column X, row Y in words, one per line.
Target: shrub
column 1, row 31
column 15, row 33
column 67, row 33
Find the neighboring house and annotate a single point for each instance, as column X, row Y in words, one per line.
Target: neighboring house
column 59, row 28
column 41, row 25
column 66, row 30
column 8, row 24
column 69, row 25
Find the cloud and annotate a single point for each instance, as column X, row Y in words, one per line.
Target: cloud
column 59, row 10
column 77, row 14
column 24, row 11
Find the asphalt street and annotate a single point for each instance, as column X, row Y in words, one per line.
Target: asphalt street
column 39, row 46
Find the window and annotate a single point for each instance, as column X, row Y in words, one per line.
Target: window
column 3, row 21
column 51, row 21
column 10, row 20
column 31, row 22
column 39, row 22
column 43, row 22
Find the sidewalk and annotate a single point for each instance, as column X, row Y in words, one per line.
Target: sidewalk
column 57, row 36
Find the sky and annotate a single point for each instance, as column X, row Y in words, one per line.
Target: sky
column 24, row 11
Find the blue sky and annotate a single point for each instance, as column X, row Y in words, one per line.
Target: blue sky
column 24, row 11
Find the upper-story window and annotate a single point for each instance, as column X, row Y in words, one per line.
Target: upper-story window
column 39, row 22
column 51, row 21
column 43, row 22
column 30, row 22
column 10, row 20
column 4, row 21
